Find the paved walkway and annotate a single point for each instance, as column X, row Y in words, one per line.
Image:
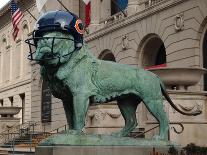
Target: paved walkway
column 18, row 150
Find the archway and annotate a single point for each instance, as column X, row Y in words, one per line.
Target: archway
column 153, row 51
column 107, row 55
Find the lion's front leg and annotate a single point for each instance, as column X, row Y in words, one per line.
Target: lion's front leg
column 80, row 107
column 68, row 107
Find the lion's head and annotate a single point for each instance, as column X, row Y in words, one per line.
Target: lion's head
column 54, row 48
column 57, row 35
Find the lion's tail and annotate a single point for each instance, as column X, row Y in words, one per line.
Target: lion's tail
column 164, row 92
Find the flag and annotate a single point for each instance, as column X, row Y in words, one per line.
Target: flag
column 40, row 4
column 122, row 4
column 86, row 1
column 87, row 14
column 17, row 15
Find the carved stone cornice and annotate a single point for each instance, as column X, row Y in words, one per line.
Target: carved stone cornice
column 181, row 92
column 133, row 18
column 102, row 116
column 13, row 85
column 183, row 122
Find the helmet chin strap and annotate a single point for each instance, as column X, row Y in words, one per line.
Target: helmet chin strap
column 79, row 45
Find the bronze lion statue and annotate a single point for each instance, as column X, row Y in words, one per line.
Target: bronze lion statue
column 77, row 78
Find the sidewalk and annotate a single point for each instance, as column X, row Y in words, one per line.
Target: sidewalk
column 17, row 151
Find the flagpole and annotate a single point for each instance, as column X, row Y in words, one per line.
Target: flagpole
column 27, row 9
column 63, row 5
column 31, row 15
column 125, row 15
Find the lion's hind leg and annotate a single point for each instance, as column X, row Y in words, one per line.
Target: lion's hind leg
column 128, row 108
column 155, row 106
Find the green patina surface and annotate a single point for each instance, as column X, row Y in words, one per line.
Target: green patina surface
column 73, row 138
column 79, row 78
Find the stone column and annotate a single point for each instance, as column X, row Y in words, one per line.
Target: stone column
column 132, row 6
column 76, row 5
column 7, row 102
column 95, row 15
column 17, row 101
column 105, row 10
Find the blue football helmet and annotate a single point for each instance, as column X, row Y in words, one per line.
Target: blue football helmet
column 61, row 21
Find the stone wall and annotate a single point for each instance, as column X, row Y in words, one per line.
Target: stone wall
column 15, row 77
column 181, row 26
column 177, row 23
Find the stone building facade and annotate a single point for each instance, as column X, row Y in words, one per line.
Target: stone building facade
column 154, row 32
column 15, row 69
column 20, row 83
column 151, row 30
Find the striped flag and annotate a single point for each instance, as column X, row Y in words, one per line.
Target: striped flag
column 87, row 14
column 17, row 15
column 86, row 1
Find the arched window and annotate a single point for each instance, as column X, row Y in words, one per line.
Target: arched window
column 107, row 55
column 118, row 5
column 153, row 50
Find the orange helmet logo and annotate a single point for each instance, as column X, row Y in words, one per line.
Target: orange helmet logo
column 79, row 26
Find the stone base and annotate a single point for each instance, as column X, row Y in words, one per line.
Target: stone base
column 101, row 150
column 74, row 143
column 7, row 122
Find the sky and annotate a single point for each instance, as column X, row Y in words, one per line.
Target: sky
column 3, row 2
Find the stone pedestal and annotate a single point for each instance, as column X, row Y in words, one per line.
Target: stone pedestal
column 100, row 150
column 104, row 119
column 74, row 143
column 7, row 123
column 193, row 125
column 7, row 119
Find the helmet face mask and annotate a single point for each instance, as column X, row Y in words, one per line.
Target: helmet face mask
column 51, row 42
column 55, row 23
column 52, row 48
